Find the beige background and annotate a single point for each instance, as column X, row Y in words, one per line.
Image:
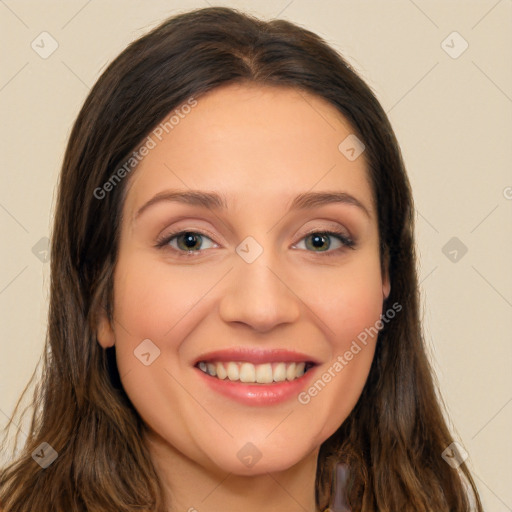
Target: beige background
column 452, row 117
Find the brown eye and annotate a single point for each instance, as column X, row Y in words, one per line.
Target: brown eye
column 318, row 241
column 322, row 241
column 186, row 241
column 189, row 241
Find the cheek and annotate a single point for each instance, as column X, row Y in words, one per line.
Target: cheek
column 151, row 299
column 347, row 299
column 155, row 302
column 349, row 303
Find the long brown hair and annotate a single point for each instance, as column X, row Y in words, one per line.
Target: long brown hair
column 394, row 437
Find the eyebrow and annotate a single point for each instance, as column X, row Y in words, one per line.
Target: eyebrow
column 215, row 201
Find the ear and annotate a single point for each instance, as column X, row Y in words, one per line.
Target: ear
column 386, row 284
column 104, row 331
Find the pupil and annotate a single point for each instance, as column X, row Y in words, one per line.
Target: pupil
column 318, row 241
column 190, row 240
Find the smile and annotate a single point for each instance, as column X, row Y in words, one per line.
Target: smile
column 246, row 372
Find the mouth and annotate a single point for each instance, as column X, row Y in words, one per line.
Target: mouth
column 256, row 376
column 250, row 373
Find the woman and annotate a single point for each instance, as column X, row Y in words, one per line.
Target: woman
column 233, row 317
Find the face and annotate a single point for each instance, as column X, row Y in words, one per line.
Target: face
column 254, row 283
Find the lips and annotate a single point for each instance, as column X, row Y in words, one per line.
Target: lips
column 255, row 356
column 256, row 376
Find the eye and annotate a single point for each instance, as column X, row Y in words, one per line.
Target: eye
column 189, row 242
column 321, row 240
column 186, row 241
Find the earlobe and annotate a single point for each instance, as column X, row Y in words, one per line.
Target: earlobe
column 386, row 287
column 104, row 332
column 386, row 284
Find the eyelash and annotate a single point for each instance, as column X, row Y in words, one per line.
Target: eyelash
column 348, row 243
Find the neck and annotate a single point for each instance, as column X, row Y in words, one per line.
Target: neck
column 190, row 487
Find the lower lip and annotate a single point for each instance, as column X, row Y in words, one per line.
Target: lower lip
column 258, row 394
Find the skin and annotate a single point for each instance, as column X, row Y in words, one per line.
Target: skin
column 260, row 146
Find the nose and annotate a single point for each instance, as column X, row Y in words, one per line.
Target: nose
column 260, row 295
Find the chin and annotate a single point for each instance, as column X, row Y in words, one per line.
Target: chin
column 260, row 456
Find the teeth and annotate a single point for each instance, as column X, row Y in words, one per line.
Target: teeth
column 247, row 372
column 264, row 373
column 221, row 371
column 250, row 373
column 290, row 372
column 280, row 372
column 233, row 372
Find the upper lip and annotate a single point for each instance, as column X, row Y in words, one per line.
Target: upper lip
column 256, row 356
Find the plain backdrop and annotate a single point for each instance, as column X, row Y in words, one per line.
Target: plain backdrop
column 441, row 70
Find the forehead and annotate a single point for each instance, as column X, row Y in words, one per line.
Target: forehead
column 252, row 142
